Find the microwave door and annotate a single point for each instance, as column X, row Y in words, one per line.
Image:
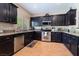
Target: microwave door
column 45, row 23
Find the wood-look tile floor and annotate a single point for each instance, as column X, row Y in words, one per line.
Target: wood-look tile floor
column 45, row 49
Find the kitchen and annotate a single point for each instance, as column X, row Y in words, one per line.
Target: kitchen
column 28, row 28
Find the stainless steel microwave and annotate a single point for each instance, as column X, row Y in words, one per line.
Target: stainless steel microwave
column 46, row 22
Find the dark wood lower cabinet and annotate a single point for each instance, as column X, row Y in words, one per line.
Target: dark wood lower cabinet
column 68, row 45
column 37, row 35
column 74, row 49
column 71, row 42
column 56, row 37
column 6, row 46
column 78, row 49
column 28, row 38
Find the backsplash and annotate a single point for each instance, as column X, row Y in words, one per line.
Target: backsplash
column 7, row 26
column 65, row 28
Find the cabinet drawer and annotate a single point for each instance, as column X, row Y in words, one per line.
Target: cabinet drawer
column 7, row 38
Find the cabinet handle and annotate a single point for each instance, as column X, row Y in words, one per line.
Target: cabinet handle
column 8, row 38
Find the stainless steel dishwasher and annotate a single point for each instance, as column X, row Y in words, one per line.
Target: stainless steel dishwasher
column 18, row 42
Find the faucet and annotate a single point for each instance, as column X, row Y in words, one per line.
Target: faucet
column 68, row 30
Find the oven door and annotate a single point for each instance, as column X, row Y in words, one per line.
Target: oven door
column 46, row 36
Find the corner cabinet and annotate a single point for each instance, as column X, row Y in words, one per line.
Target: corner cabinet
column 71, row 42
column 71, row 17
column 28, row 38
column 8, row 13
column 37, row 35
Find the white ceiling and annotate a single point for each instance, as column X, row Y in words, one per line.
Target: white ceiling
column 38, row 9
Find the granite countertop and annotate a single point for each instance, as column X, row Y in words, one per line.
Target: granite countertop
column 19, row 32
column 75, row 34
column 71, row 33
column 13, row 33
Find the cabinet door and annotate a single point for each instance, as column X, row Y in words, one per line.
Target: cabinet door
column 6, row 14
column 71, row 14
column 28, row 38
column 54, row 20
column 2, row 12
column 15, row 15
column 12, row 13
column 78, row 49
column 74, row 42
column 52, row 37
column 74, row 49
column 66, row 40
column 37, row 35
column 59, row 37
column 6, row 46
column 58, row 20
column 61, row 20
column 56, row 37
column 72, row 20
column 31, row 36
column 67, row 19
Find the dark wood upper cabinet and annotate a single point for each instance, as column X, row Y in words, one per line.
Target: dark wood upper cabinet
column 8, row 13
column 57, row 20
column 46, row 18
column 13, row 13
column 2, row 11
column 71, row 14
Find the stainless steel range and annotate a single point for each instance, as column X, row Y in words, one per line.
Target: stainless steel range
column 46, row 35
